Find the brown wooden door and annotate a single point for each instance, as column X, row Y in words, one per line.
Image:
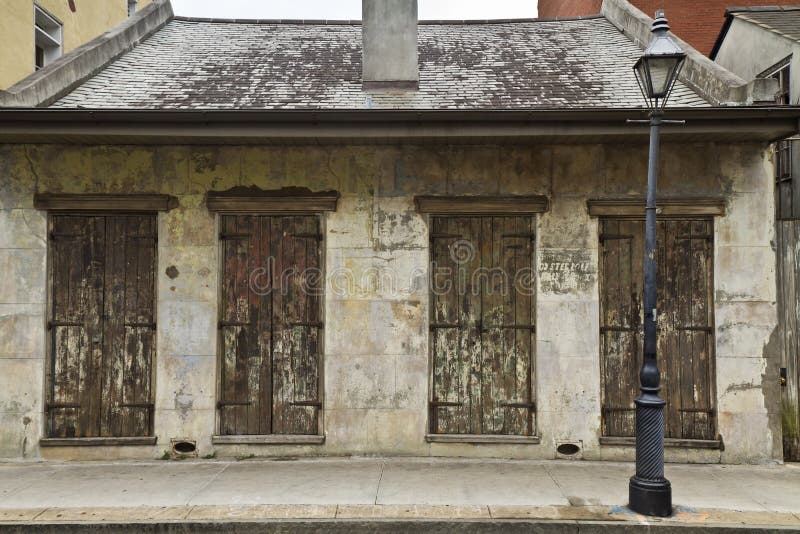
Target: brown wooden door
column 270, row 325
column 685, row 320
column 482, row 325
column 102, row 277
column 788, row 240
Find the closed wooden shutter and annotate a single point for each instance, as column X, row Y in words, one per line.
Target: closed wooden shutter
column 482, row 325
column 788, row 242
column 685, row 319
column 102, row 275
column 271, row 325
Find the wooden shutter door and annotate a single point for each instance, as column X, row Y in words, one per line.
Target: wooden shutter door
column 296, row 323
column 482, row 325
column 270, row 325
column 245, row 396
column 621, row 328
column 685, row 318
column 102, row 329
column 129, row 333
column 685, row 327
column 77, row 270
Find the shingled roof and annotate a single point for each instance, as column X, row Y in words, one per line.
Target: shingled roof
column 782, row 20
column 205, row 64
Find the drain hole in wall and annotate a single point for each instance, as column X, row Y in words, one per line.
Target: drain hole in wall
column 184, row 447
column 568, row 449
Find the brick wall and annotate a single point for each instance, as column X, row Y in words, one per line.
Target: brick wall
column 699, row 23
column 568, row 8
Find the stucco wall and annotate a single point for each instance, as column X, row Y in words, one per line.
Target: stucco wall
column 376, row 336
column 697, row 23
column 90, row 19
column 749, row 50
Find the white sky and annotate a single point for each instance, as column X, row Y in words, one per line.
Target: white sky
column 350, row 9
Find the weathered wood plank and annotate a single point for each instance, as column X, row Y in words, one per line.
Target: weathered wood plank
column 100, row 374
column 295, row 367
column 481, row 326
column 69, row 246
column 270, row 348
column 685, row 268
column 104, row 202
column 668, row 442
column 481, row 205
column 235, row 320
column 634, row 208
column 447, row 386
column 98, row 442
column 788, row 244
column 221, row 202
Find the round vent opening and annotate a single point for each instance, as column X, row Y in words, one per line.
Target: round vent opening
column 568, row 449
column 184, row 447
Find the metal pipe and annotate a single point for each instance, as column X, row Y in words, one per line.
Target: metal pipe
column 650, row 492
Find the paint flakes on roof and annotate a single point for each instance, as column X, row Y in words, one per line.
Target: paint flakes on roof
column 784, row 21
column 195, row 65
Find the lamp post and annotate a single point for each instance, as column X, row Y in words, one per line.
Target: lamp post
column 650, row 492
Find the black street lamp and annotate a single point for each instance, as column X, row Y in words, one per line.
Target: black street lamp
column 650, row 492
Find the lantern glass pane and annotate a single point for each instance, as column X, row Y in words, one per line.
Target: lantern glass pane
column 641, row 73
column 661, row 74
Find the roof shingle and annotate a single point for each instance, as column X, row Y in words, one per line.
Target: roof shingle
column 505, row 65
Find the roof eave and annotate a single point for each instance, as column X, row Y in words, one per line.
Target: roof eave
column 731, row 124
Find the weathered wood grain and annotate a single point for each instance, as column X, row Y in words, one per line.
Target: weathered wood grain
column 270, row 322
column 482, row 327
column 788, row 272
column 104, row 202
column 481, row 205
column 634, row 208
column 102, row 272
column 685, row 316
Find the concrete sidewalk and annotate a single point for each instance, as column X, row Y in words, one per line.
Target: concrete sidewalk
column 385, row 489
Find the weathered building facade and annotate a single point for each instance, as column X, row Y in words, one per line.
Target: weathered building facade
column 33, row 34
column 264, row 263
column 773, row 37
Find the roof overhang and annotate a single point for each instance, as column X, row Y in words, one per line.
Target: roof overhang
column 719, row 124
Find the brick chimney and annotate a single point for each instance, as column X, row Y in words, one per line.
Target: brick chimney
column 390, row 57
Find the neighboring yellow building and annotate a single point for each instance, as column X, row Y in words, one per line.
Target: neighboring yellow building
column 35, row 33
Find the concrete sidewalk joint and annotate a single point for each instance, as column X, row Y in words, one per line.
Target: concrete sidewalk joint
column 386, row 490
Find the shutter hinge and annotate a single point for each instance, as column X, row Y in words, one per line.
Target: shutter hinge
column 151, row 326
column 704, row 237
column 57, row 324
column 318, row 237
column 154, row 237
column 314, row 404
column 55, row 237
column 443, row 326
column 223, row 324
column 445, row 236
column 485, row 328
column 612, row 237
column 232, row 236
column 529, row 405
column 50, row 406
column 531, row 237
column 308, row 324
column 224, row 404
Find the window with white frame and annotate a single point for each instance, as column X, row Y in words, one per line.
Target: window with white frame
column 132, row 7
column 47, row 40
